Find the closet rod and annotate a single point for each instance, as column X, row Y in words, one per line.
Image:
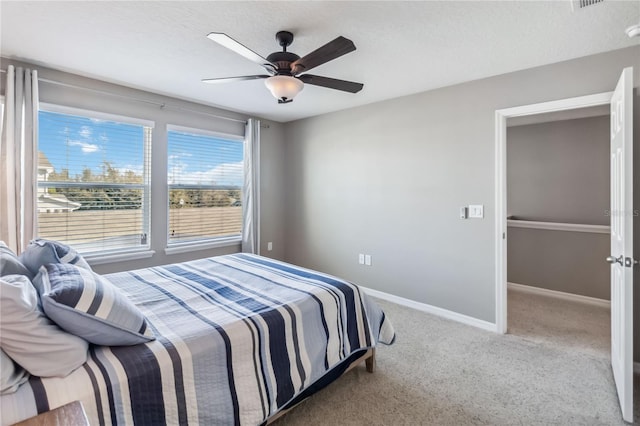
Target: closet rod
column 558, row 226
column 162, row 105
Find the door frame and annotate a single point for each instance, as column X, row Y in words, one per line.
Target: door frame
column 501, row 116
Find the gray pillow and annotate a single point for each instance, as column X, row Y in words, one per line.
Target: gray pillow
column 12, row 375
column 88, row 305
column 10, row 264
column 41, row 252
column 30, row 338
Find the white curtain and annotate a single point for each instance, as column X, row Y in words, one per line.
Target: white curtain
column 251, row 190
column 18, row 158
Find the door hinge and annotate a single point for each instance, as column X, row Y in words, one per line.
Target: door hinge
column 629, row 262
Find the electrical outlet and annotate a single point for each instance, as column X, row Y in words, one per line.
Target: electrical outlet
column 367, row 259
column 269, row 246
column 361, row 259
column 463, row 212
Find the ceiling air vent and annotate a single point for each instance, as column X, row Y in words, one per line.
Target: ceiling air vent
column 581, row 4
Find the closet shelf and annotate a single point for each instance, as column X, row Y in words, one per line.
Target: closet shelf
column 556, row 226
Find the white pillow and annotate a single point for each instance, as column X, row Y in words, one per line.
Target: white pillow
column 12, row 375
column 10, row 264
column 30, row 338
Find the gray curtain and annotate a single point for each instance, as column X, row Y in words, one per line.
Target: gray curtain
column 251, row 189
column 18, row 158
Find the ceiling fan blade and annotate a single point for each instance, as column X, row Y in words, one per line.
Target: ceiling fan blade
column 226, row 41
column 230, row 79
column 332, row 83
column 330, row 51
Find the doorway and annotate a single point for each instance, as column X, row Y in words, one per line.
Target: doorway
column 558, row 198
column 622, row 213
column 501, row 182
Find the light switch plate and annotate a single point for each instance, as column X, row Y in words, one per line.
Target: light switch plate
column 367, row 259
column 476, row 211
column 361, row 259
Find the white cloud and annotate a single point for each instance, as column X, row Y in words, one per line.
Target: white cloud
column 84, row 140
column 135, row 168
column 86, row 147
column 175, row 173
column 223, row 174
column 85, row 132
column 180, row 155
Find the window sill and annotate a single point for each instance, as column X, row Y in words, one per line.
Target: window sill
column 99, row 259
column 188, row 247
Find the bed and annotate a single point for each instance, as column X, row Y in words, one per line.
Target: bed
column 239, row 340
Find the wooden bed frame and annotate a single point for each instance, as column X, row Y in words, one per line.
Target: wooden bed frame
column 369, row 358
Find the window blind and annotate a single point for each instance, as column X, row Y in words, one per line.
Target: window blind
column 93, row 182
column 205, row 178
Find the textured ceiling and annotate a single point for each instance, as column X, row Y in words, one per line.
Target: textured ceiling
column 402, row 47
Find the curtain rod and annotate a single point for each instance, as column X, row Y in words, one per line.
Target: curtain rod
column 162, row 105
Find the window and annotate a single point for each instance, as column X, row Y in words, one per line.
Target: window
column 205, row 178
column 93, row 180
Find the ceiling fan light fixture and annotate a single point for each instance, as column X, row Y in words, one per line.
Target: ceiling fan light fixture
column 283, row 87
column 633, row 31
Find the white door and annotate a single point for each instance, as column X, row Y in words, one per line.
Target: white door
column 621, row 258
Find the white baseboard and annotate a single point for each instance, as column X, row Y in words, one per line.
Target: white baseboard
column 485, row 325
column 559, row 295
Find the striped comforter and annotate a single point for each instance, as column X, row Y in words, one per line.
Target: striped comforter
column 238, row 336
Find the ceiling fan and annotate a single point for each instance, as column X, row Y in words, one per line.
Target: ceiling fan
column 286, row 78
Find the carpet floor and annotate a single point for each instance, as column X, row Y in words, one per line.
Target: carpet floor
column 552, row 368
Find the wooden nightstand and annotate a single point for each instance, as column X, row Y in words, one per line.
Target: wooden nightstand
column 70, row 414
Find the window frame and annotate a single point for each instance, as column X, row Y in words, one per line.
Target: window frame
column 1, row 114
column 205, row 243
column 118, row 254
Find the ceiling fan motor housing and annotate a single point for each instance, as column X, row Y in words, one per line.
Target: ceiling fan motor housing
column 283, row 60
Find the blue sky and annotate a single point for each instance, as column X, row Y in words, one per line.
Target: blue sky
column 74, row 143
column 191, row 160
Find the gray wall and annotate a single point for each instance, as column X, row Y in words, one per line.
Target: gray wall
column 272, row 190
column 272, row 151
column 571, row 262
column 559, row 172
column 388, row 179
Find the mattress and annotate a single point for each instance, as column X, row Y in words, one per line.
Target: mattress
column 238, row 337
